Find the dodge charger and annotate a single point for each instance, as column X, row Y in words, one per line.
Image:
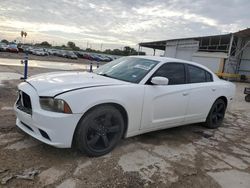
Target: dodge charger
column 126, row 97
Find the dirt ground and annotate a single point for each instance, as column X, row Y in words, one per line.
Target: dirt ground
column 187, row 156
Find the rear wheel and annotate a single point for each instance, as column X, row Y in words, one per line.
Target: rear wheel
column 216, row 114
column 100, row 130
column 247, row 98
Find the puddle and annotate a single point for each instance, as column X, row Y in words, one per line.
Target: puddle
column 9, row 76
column 7, row 108
column 47, row 64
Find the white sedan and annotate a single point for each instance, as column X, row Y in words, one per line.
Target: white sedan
column 126, row 97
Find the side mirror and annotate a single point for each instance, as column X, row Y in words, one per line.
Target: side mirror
column 159, row 80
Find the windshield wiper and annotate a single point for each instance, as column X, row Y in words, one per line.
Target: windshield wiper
column 105, row 75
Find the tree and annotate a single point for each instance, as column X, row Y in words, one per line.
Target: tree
column 142, row 53
column 5, row 41
column 125, row 52
column 108, row 51
column 71, row 45
column 45, row 44
column 129, row 51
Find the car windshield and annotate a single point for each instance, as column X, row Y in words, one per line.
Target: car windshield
column 130, row 69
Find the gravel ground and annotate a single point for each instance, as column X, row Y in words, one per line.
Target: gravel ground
column 187, row 156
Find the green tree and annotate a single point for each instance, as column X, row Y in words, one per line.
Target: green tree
column 129, row 51
column 5, row 41
column 71, row 45
column 125, row 52
column 45, row 44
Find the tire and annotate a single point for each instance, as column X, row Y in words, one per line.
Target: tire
column 216, row 114
column 99, row 131
column 247, row 98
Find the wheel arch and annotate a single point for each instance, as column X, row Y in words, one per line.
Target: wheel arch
column 119, row 107
column 223, row 98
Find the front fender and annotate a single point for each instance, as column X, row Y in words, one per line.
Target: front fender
column 130, row 97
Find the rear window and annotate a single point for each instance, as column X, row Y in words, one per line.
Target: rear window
column 196, row 74
column 209, row 77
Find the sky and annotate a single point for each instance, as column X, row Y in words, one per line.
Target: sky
column 103, row 24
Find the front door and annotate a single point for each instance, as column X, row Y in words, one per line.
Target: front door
column 165, row 105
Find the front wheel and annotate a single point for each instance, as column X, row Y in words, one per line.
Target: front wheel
column 216, row 114
column 99, row 131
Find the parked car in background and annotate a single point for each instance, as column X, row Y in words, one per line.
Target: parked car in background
column 87, row 56
column 79, row 54
column 3, row 47
column 20, row 49
column 27, row 48
column 57, row 53
column 12, row 48
column 96, row 57
column 61, row 53
column 123, row 98
column 52, row 51
column 106, row 59
column 70, row 55
column 40, row 52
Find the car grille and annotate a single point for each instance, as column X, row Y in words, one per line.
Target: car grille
column 24, row 103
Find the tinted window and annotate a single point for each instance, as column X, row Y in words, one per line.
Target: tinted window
column 175, row 72
column 209, row 77
column 196, row 74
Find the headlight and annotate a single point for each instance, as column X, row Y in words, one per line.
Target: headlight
column 55, row 105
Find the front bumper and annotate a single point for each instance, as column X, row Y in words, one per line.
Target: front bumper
column 56, row 129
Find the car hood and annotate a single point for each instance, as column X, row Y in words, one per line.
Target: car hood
column 52, row 84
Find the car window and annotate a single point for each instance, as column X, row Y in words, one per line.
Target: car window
column 209, row 77
column 196, row 74
column 130, row 69
column 175, row 72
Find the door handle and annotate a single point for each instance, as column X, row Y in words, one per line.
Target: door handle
column 213, row 89
column 185, row 94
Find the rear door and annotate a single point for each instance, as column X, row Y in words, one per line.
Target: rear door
column 165, row 105
column 203, row 92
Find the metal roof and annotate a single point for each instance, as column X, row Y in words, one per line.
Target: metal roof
column 243, row 33
column 160, row 45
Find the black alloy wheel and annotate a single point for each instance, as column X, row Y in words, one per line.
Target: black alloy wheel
column 100, row 130
column 216, row 114
column 247, row 98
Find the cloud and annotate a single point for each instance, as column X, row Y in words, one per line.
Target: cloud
column 119, row 23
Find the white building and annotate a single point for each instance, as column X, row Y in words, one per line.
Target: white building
column 228, row 54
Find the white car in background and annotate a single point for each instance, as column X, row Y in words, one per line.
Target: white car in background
column 126, row 97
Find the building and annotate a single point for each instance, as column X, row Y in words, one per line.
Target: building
column 227, row 55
